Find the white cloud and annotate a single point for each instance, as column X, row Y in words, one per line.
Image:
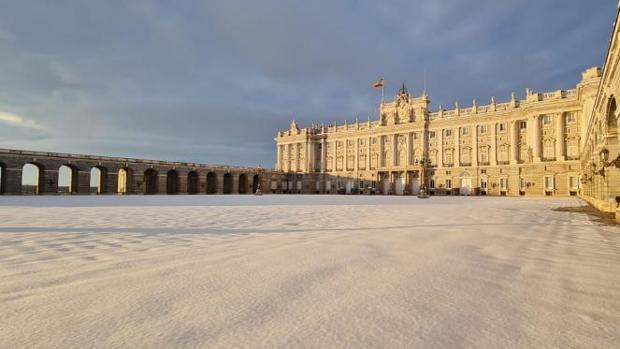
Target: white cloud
column 18, row 121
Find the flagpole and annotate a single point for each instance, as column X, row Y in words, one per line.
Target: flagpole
column 382, row 94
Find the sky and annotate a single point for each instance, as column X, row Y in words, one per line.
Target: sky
column 212, row 81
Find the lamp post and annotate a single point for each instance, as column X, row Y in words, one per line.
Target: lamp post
column 423, row 163
column 604, row 158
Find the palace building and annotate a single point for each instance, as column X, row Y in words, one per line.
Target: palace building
column 558, row 143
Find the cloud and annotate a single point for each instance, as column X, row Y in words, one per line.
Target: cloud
column 18, row 121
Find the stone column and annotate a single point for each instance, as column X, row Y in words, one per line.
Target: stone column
column 559, row 137
column 335, row 157
column 323, row 155
column 533, row 130
column 345, row 165
column 368, row 154
column 493, row 151
column 381, row 152
column 474, row 146
column 279, row 160
column 513, row 142
column 439, row 136
column 457, row 148
column 409, row 150
column 48, row 181
column 308, row 161
column 357, row 154
column 394, row 150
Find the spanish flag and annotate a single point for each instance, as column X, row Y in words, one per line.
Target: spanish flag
column 379, row 83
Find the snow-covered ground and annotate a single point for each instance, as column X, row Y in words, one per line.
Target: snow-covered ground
column 306, row 271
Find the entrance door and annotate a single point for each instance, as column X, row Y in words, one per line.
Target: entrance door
column 385, row 185
column 349, row 186
column 399, row 186
column 465, row 186
column 415, row 186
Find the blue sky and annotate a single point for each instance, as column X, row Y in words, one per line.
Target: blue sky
column 212, row 81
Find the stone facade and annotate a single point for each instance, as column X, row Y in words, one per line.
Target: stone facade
column 520, row 147
column 600, row 155
column 125, row 175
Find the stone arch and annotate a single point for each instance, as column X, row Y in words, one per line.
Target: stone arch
column 68, row 179
column 124, row 182
column 228, row 183
column 33, row 178
column 243, row 183
column 2, row 178
column 98, row 180
column 255, row 183
column 612, row 117
column 193, row 181
column 172, row 182
column 211, row 183
column 150, row 181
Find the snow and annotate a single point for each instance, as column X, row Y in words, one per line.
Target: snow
column 306, row 271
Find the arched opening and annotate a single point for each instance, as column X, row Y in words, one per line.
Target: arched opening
column 228, row 184
column 2, row 178
column 211, row 183
column 67, row 180
column 150, row 182
column 255, row 183
column 192, row 182
column 124, row 183
column 98, row 180
column 32, row 179
column 243, row 184
column 612, row 118
column 172, row 182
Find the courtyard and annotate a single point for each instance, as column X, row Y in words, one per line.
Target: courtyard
column 306, row 271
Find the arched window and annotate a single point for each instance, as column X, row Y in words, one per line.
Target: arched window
column 211, row 183
column 228, row 184
column 192, row 182
column 67, row 180
column 150, row 182
column 243, row 183
column 255, row 183
column 2, row 178
column 97, row 180
column 32, row 179
column 123, row 181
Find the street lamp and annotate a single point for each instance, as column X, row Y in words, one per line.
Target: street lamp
column 604, row 157
column 423, row 162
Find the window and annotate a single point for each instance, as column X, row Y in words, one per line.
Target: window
column 571, row 117
column 431, row 134
column 448, row 184
column 549, row 185
column 573, row 182
column 484, row 154
column 502, row 127
column 483, row 129
column 432, row 184
column 503, row 184
column 448, row 133
column 448, row 172
column 522, row 125
column 483, row 171
column 522, row 184
column 483, row 183
column 465, row 131
column 549, row 149
column 546, row 119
